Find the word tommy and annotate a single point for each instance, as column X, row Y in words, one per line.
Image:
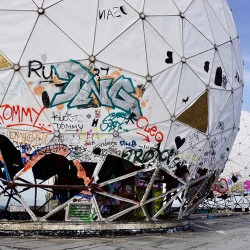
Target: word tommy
column 16, row 116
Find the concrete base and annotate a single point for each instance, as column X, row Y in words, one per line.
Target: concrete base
column 216, row 215
column 75, row 229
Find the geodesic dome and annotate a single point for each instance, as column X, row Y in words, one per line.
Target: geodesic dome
column 232, row 190
column 115, row 110
column 237, row 170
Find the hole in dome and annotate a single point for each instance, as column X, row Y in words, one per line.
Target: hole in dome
column 196, row 116
column 4, row 63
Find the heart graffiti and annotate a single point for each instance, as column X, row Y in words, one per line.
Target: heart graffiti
column 179, row 142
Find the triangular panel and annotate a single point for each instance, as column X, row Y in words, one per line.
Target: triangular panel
column 237, row 105
column 125, row 56
column 38, row 48
column 153, row 106
column 27, row 115
column 113, row 18
column 195, row 44
column 167, row 85
column 5, row 76
column 83, row 36
column 225, row 120
column 17, row 5
column 138, row 5
column 202, row 65
column 196, row 116
column 225, row 52
column 218, row 8
column 219, row 78
column 171, row 33
column 21, row 23
column 230, row 21
column 217, row 102
column 157, row 7
column 159, row 54
column 219, row 32
column 188, row 90
column 197, row 15
column 48, row 3
column 182, row 5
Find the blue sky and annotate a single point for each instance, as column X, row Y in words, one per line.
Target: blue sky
column 241, row 12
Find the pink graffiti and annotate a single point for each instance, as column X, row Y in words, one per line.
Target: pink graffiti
column 247, row 185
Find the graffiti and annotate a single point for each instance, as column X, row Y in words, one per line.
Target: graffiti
column 86, row 137
column 169, row 60
column 81, row 89
column 95, row 123
column 67, row 118
column 220, row 125
column 4, row 169
column 32, row 138
column 86, row 216
column 15, row 89
column 237, row 77
column 194, row 138
column 185, row 100
column 112, row 151
column 220, row 79
column 131, row 144
column 114, row 12
column 71, row 149
column 212, row 152
column 54, row 149
column 39, row 69
column 179, row 142
column 207, row 66
column 98, row 71
column 247, row 185
column 77, row 150
column 221, row 186
column 20, row 116
column 114, row 121
column 143, row 124
column 238, row 187
column 224, row 82
column 69, row 127
column 91, row 134
column 106, row 144
column 149, row 156
column 34, row 157
column 191, row 157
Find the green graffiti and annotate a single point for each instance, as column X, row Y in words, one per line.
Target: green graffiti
column 86, row 216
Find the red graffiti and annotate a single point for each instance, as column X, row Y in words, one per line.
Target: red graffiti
column 142, row 123
column 221, row 186
column 16, row 116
